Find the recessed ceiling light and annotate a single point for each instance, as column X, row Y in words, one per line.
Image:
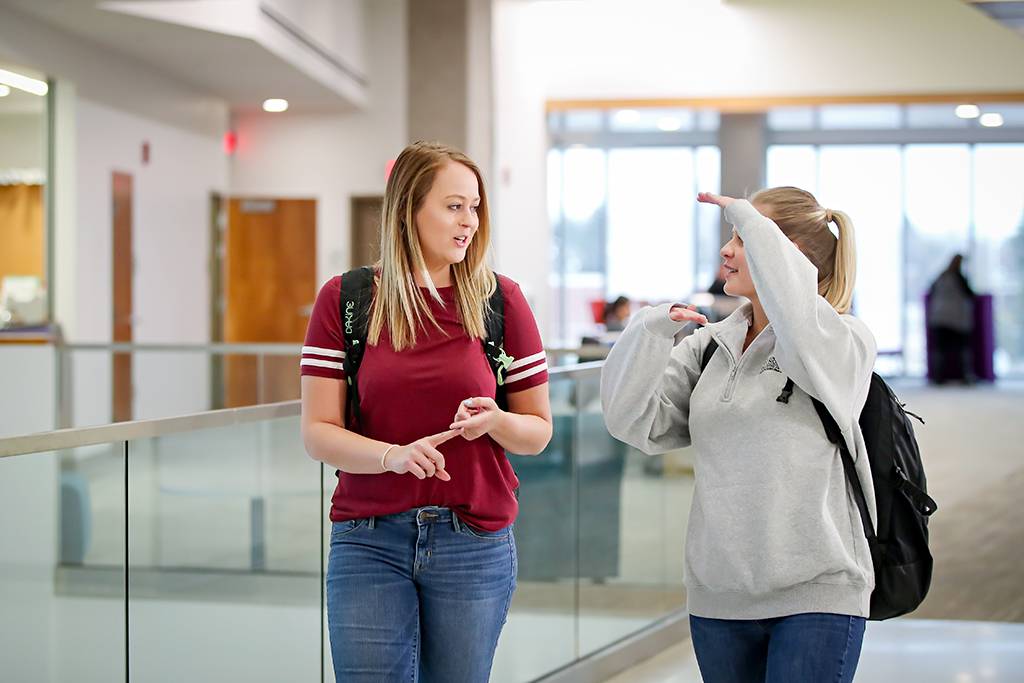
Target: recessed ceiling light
column 991, row 119
column 669, row 123
column 275, row 105
column 968, row 111
column 4, row 91
column 627, row 116
column 32, row 85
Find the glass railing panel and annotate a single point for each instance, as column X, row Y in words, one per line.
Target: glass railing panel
column 540, row 635
column 62, row 579
column 633, row 509
column 224, row 555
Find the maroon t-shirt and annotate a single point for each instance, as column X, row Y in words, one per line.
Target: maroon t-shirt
column 415, row 393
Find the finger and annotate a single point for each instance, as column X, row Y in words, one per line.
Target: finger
column 469, row 423
column 443, row 475
column 438, row 439
column 462, row 414
column 416, row 471
column 425, row 463
column 688, row 317
column 436, row 457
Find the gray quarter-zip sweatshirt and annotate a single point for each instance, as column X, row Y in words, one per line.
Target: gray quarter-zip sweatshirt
column 773, row 529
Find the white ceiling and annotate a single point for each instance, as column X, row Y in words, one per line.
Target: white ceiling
column 235, row 69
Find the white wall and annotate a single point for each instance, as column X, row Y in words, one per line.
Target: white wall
column 332, row 157
column 171, row 227
column 603, row 49
column 22, row 138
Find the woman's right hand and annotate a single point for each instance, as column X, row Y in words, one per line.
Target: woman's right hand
column 687, row 313
column 421, row 458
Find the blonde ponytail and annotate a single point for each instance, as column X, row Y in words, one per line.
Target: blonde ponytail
column 803, row 220
column 837, row 288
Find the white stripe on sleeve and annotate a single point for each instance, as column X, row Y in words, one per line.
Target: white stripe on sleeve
column 526, row 361
column 526, row 373
column 320, row 351
column 316, row 362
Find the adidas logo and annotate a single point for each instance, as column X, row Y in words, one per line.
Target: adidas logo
column 770, row 364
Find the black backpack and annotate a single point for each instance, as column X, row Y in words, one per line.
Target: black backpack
column 899, row 551
column 354, row 304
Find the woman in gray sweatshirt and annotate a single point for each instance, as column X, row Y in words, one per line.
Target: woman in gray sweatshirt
column 778, row 572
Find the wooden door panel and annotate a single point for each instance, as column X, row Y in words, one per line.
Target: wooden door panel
column 121, row 185
column 270, row 276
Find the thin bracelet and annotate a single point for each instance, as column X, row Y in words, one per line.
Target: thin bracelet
column 383, row 467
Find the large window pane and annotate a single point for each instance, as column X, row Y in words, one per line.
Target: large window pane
column 937, row 196
column 709, row 217
column 997, row 261
column 651, row 198
column 581, row 240
column 864, row 181
column 795, row 165
column 860, row 116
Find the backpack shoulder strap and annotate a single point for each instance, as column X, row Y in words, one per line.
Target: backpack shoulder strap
column 354, row 304
column 709, row 351
column 494, row 349
column 835, row 435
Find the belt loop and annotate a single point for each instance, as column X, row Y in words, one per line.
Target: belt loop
column 371, row 522
column 455, row 523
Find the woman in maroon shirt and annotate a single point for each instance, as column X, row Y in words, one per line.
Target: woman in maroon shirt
column 423, row 559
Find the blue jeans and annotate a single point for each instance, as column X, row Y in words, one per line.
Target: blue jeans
column 417, row 596
column 810, row 648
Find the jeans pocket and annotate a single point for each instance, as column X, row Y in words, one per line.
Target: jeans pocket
column 340, row 529
column 480, row 534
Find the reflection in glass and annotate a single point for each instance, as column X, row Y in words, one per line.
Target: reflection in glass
column 62, row 565
column 224, row 555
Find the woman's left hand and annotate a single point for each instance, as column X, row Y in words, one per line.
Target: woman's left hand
column 717, row 199
column 476, row 416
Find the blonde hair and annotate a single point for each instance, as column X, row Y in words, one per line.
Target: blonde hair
column 399, row 304
column 805, row 222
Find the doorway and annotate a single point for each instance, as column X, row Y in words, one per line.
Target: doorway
column 269, row 276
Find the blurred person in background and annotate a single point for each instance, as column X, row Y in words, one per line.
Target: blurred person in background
column 616, row 314
column 778, row 569
column 951, row 324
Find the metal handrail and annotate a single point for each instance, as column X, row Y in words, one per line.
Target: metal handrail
column 269, row 349
column 266, row 349
column 45, row 442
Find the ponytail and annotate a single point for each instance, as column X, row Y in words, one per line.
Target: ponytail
column 803, row 220
column 837, row 288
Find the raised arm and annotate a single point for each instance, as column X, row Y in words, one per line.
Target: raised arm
column 828, row 355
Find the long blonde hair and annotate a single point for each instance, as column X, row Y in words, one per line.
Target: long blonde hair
column 805, row 222
column 399, row 304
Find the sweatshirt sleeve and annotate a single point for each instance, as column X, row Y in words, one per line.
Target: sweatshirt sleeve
column 647, row 379
column 828, row 355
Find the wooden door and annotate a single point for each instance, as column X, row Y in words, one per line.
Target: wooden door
column 123, row 264
column 366, row 230
column 270, row 285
